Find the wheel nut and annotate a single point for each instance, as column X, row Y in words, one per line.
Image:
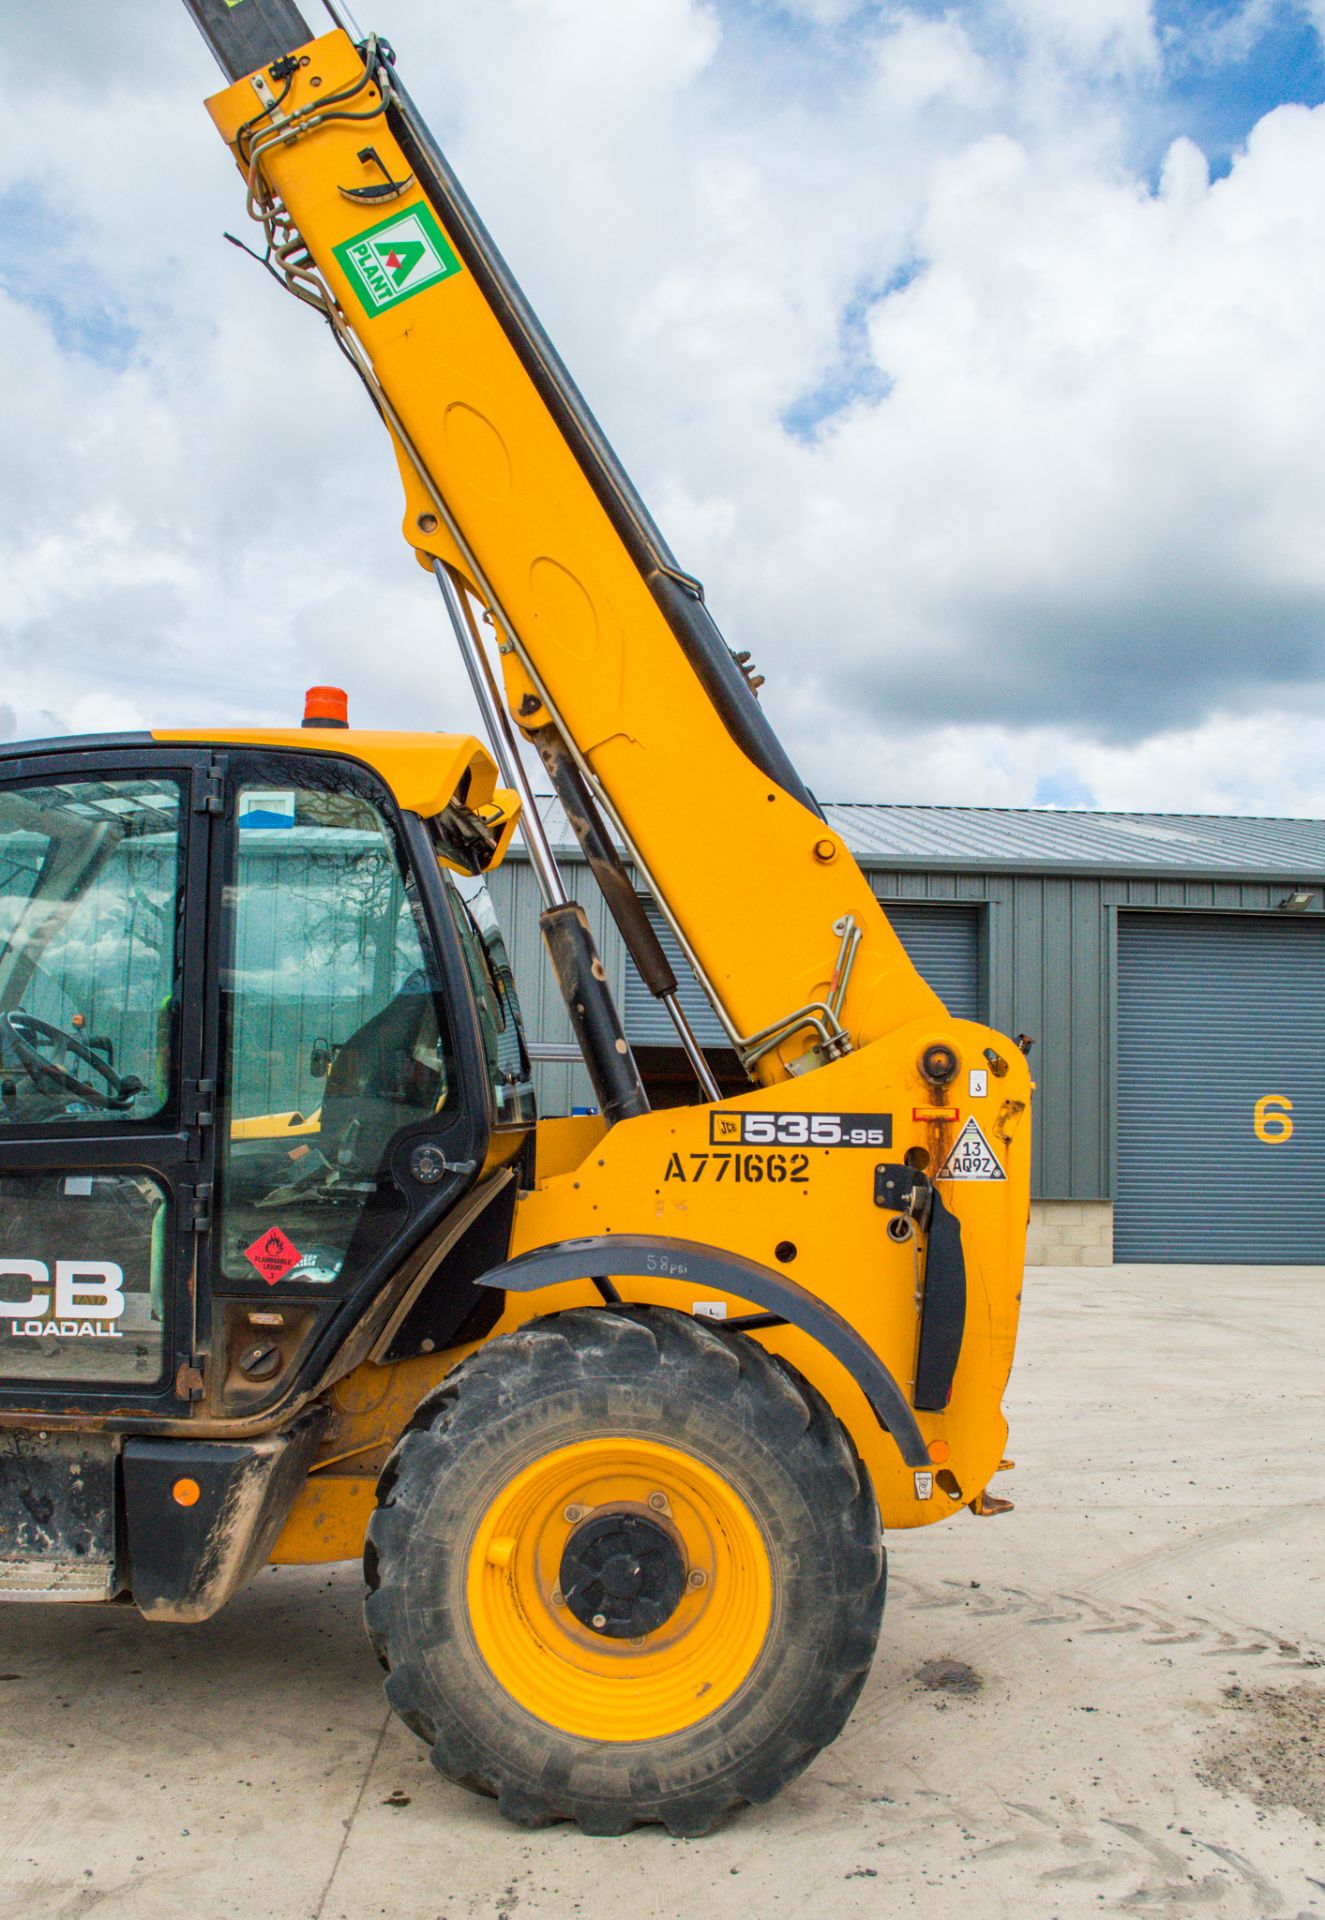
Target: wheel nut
column 573, row 1514
column 558, row 1597
column 658, row 1501
column 600, row 1620
column 696, row 1577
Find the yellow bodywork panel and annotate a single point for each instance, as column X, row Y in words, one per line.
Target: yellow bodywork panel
column 666, row 1174
column 275, row 1126
column 423, row 771
column 759, row 886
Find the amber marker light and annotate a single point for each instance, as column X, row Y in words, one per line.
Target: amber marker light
column 186, row 1493
column 939, row 1451
column 326, row 707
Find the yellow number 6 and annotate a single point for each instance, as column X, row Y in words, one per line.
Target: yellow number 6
column 1271, row 1119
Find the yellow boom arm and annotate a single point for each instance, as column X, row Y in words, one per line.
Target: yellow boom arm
column 609, row 657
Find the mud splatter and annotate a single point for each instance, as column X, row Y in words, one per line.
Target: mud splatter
column 949, row 1676
column 1270, row 1746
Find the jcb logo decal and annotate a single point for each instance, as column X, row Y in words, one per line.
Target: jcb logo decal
column 87, row 1297
column 1270, row 1119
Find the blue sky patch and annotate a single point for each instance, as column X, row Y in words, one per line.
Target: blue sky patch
column 854, row 374
column 1227, row 66
column 1062, row 790
column 55, row 281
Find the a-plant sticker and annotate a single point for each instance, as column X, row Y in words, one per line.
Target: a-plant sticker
column 396, row 259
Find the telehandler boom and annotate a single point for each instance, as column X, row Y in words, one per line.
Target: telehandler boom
column 616, row 1406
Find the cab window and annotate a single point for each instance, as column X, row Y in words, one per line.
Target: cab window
column 509, row 1073
column 337, row 1036
column 90, row 934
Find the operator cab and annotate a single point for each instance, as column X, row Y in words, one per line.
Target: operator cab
column 258, row 1037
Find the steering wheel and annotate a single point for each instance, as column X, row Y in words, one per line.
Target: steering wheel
column 27, row 1034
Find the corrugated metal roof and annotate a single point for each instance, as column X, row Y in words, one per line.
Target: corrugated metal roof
column 1059, row 840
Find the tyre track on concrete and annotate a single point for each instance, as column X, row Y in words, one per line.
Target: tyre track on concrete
column 1018, row 1607
column 1117, row 1863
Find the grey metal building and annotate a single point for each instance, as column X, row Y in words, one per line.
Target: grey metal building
column 1170, row 969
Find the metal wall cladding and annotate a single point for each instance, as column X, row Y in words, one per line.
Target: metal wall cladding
column 1044, row 947
column 1047, row 958
column 1043, row 971
column 1215, row 1014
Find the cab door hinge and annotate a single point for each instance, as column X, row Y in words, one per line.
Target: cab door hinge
column 209, row 788
column 196, row 1207
column 189, row 1382
column 198, row 1108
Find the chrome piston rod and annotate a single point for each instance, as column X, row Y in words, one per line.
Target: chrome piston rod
column 506, row 751
column 501, row 732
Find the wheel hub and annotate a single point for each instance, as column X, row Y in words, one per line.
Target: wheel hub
column 622, row 1575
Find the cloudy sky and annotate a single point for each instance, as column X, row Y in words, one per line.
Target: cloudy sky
column 973, row 354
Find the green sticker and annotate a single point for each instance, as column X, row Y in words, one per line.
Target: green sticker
column 397, row 258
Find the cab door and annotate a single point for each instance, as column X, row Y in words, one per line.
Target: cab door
column 354, row 1102
column 105, row 1136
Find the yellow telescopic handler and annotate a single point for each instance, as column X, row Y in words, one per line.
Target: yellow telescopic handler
column 615, row 1407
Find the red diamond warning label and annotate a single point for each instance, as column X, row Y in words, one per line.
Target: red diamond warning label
column 273, row 1254
column 972, row 1157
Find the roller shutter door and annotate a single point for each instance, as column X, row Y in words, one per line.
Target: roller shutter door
column 647, row 1021
column 1215, row 1014
column 944, row 943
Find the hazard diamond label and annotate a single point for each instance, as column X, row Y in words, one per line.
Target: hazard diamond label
column 972, row 1157
column 397, row 258
column 273, row 1254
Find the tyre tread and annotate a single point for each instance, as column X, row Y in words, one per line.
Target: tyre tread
column 578, row 1348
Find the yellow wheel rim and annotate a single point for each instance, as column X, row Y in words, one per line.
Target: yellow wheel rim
column 577, row 1680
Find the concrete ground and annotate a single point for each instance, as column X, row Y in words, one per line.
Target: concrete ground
column 1110, row 1701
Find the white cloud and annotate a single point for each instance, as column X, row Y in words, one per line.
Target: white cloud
column 923, row 62
column 1113, row 34
column 1052, row 518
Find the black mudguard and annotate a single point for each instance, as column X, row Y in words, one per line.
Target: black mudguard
column 646, row 1256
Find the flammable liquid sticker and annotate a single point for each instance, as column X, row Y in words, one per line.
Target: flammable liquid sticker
column 741, row 1129
column 273, row 1253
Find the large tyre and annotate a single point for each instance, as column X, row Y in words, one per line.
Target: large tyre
column 625, row 1568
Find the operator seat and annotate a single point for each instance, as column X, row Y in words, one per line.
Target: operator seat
column 390, row 1072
